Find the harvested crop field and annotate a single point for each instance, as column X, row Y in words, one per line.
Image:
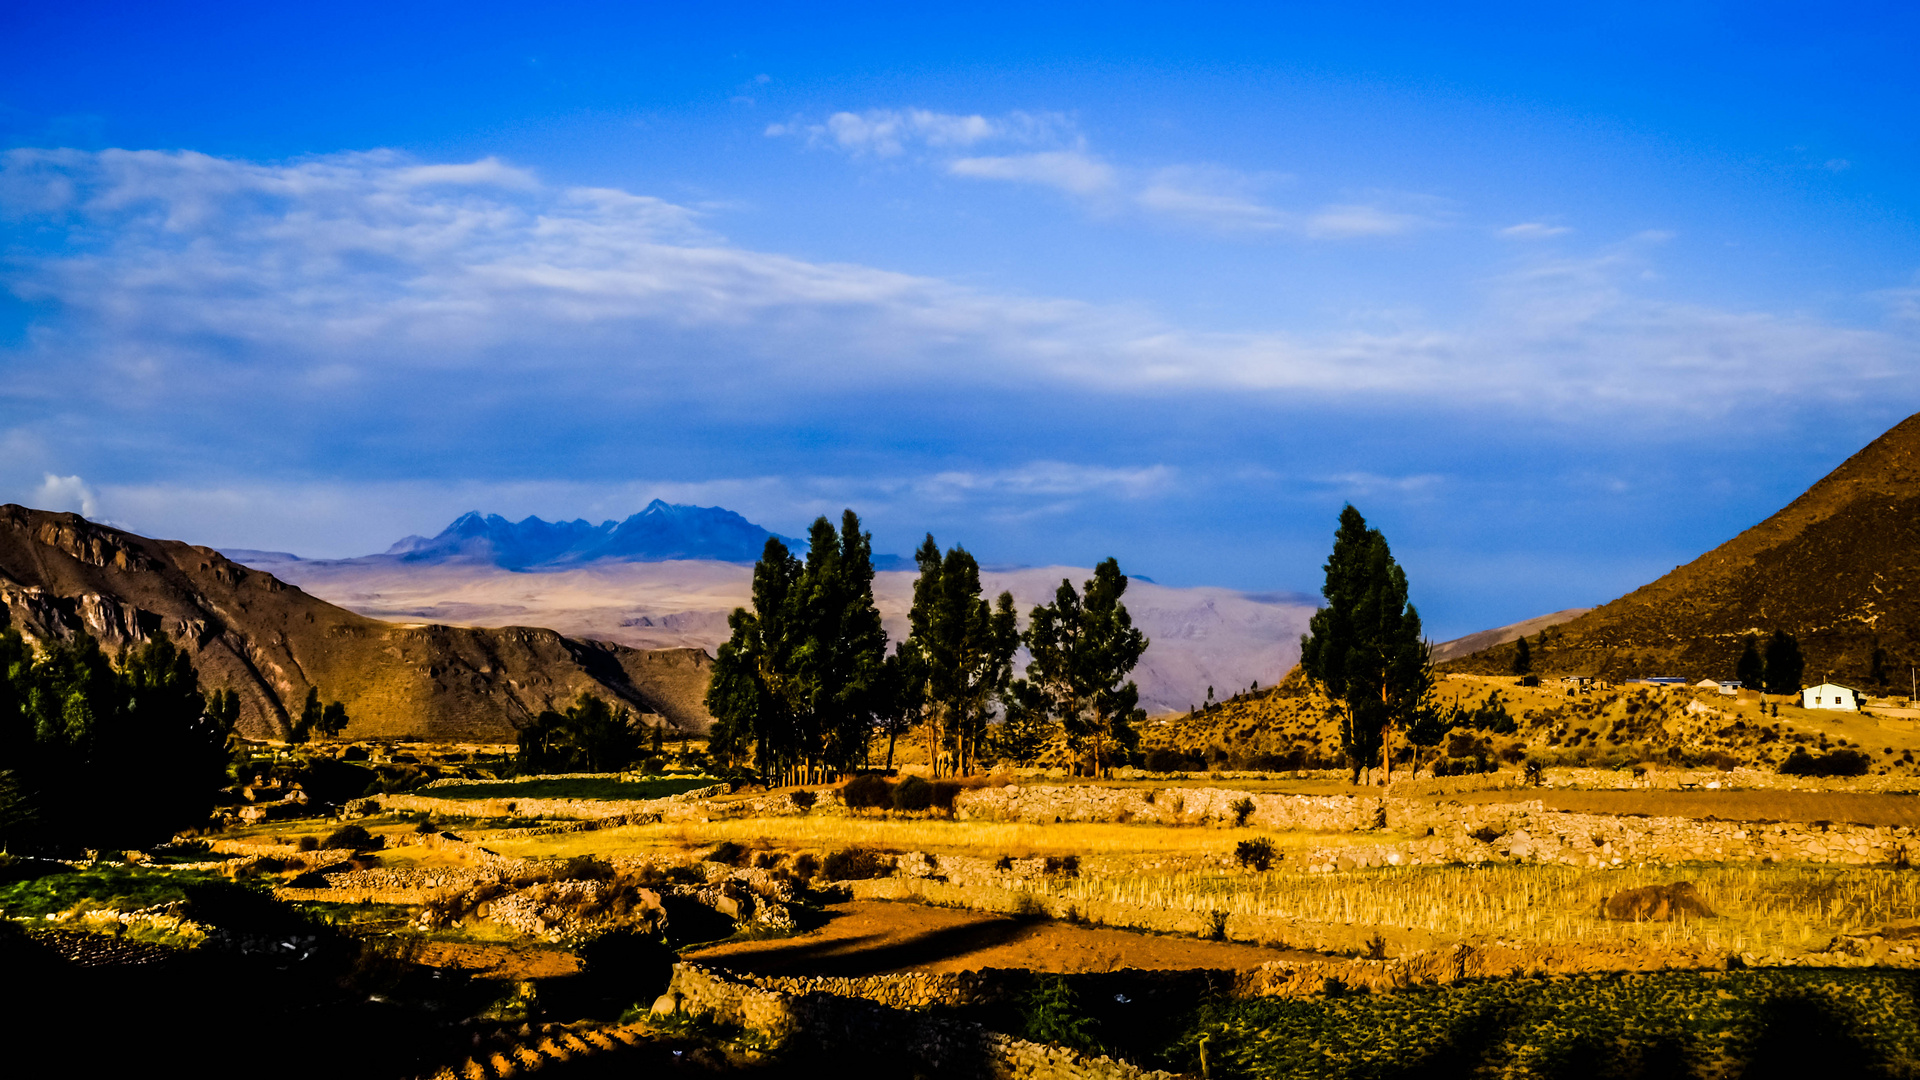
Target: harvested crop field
column 1851, row 807
column 876, row 937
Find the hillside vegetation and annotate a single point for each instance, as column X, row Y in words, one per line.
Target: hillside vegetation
column 1497, row 722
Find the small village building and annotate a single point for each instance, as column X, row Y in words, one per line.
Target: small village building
column 1729, row 687
column 1830, row 696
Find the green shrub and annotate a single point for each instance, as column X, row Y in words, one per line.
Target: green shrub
column 869, row 791
column 912, row 793
column 806, row 866
column 728, row 852
column 1051, row 1013
column 1242, row 808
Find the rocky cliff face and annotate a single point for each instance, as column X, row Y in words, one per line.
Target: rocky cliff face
column 1839, row 568
column 269, row 641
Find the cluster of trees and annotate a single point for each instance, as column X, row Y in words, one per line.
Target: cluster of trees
column 329, row 721
column 591, row 736
column 806, row 678
column 1777, row 672
column 100, row 754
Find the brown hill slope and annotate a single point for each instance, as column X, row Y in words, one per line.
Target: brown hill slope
column 1839, row 568
column 1501, row 635
column 269, row 641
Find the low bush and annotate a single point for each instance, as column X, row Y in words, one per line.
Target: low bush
column 912, row 793
column 1837, row 763
column 352, row 836
column 869, row 791
column 1167, row 759
column 586, row 868
column 1052, row 1013
column 944, row 792
column 806, row 866
column 729, row 853
column 1242, row 808
column 854, row 864
column 1254, row 854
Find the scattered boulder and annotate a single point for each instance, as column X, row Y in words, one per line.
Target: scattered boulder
column 1656, row 903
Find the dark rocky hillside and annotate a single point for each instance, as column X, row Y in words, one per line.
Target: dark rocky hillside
column 269, row 641
column 1839, row 568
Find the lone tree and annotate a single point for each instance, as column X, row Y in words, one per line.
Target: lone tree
column 1785, row 665
column 1083, row 645
column 1364, row 648
column 1522, row 657
column 1751, row 670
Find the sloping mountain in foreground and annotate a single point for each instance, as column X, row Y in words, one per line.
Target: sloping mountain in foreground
column 269, row 641
column 1501, row 635
column 1839, row 568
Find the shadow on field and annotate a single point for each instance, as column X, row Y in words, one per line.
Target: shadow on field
column 874, row 954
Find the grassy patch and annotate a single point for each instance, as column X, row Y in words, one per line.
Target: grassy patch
column 1784, row 1022
column 107, row 886
column 578, row 788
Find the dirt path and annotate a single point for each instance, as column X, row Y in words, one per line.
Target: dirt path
column 1861, row 808
column 871, row 937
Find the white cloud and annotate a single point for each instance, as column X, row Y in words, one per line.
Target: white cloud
column 67, row 493
column 1048, row 478
column 1534, row 230
column 1215, row 198
column 485, row 172
column 254, row 294
column 890, row 132
column 1071, row 171
column 1347, row 220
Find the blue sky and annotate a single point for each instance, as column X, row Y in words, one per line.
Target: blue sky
column 1559, row 300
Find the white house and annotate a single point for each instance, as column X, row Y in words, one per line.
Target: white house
column 1830, row 696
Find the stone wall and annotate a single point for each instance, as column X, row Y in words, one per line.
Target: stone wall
column 1166, row 806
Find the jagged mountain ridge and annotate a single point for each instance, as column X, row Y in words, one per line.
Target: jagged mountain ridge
column 269, row 641
column 660, row 532
column 1839, row 568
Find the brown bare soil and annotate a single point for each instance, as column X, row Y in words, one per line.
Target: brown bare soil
column 1858, row 808
column 488, row 961
column 874, row 937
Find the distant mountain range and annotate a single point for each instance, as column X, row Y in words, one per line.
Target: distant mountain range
column 668, row 576
column 663, row 532
column 1839, row 568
